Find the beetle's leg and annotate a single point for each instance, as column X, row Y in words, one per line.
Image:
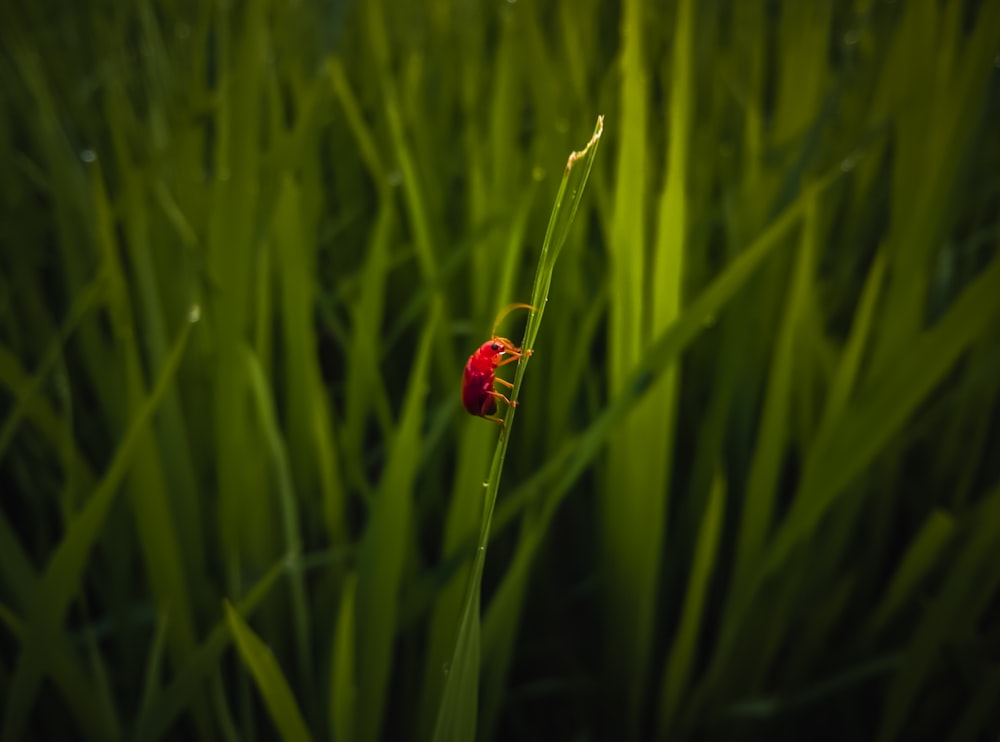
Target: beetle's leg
column 498, row 395
column 498, row 420
column 507, row 384
column 515, row 354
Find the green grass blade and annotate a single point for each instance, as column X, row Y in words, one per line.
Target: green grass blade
column 323, row 179
column 90, row 710
column 25, row 394
column 461, row 537
column 864, row 429
column 162, row 710
column 62, row 577
column 270, row 681
column 147, row 487
column 922, row 556
column 644, row 299
column 884, row 407
column 294, row 221
column 948, row 70
column 383, row 552
column 415, row 194
column 848, row 371
column 677, row 671
column 457, row 714
column 43, row 416
column 772, row 436
column 968, row 589
column 465, row 514
column 557, row 477
column 502, row 621
column 574, row 181
column 154, row 665
column 288, row 507
column 343, row 683
column 365, row 386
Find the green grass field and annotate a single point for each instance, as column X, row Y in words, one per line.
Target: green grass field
column 752, row 490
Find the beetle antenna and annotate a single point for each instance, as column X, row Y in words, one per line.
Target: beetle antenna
column 507, row 310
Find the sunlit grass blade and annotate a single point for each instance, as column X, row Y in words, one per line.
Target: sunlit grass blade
column 753, row 481
column 465, row 513
column 457, row 714
column 637, row 534
column 554, row 482
column 571, row 187
column 270, row 681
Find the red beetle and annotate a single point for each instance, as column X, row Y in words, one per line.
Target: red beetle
column 478, row 394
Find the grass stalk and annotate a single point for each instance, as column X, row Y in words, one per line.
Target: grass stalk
column 457, row 715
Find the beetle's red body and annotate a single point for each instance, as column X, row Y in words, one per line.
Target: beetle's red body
column 478, row 395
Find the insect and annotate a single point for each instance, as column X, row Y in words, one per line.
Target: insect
column 478, row 395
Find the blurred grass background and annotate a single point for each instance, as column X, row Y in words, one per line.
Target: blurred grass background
column 753, row 491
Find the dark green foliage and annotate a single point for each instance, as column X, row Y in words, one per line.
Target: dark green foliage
column 752, row 491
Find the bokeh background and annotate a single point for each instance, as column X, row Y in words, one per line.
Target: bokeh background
column 753, row 486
